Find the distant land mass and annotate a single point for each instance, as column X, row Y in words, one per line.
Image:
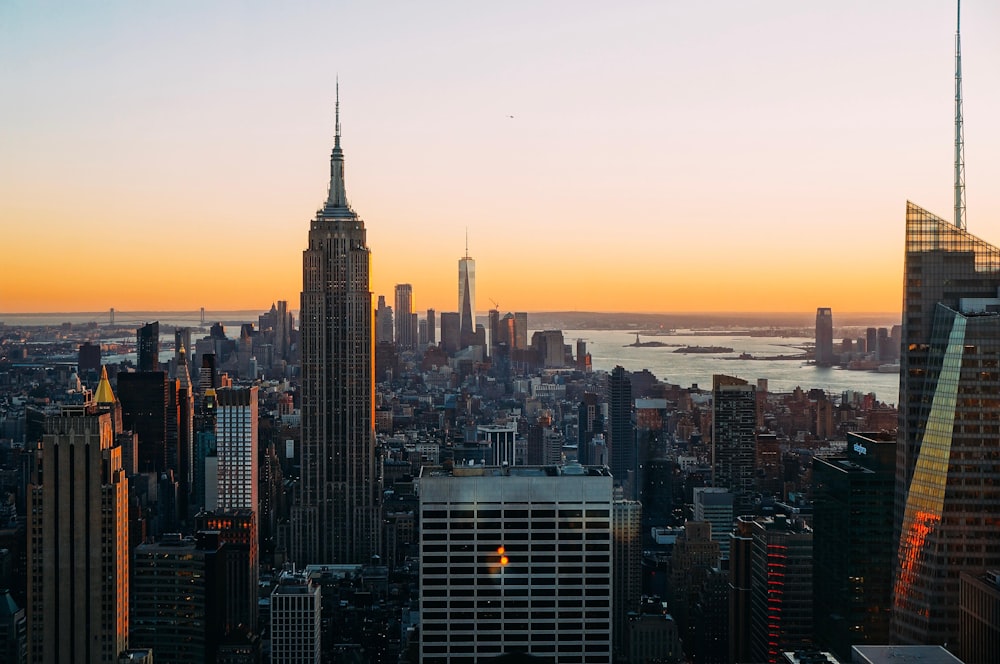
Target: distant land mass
column 648, row 324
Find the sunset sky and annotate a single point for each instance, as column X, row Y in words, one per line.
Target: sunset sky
column 737, row 155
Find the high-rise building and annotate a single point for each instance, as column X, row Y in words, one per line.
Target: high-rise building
column 176, row 599
column 824, row 336
column 626, row 556
column 184, row 409
column 516, row 560
column 734, row 438
column 236, row 530
column 144, row 402
column 78, row 556
column 236, row 445
column 853, row 545
column 337, row 517
column 406, row 338
column 296, row 608
column 147, row 350
column 621, row 431
column 781, row 616
column 715, row 505
column 467, row 298
column 450, row 326
column 431, row 327
column 520, row 330
column 948, row 455
column 383, row 322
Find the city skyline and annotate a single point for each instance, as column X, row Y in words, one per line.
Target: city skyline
column 752, row 158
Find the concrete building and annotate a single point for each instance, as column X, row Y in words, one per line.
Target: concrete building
column 715, row 506
column 734, row 439
column 176, row 599
column 516, row 560
column 824, row 337
column 236, row 447
column 78, row 557
column 296, row 607
column 781, row 588
column 406, row 332
column 336, row 518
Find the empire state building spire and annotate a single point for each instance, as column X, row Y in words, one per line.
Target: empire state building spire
column 337, row 198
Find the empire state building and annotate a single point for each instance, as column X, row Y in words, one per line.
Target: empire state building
column 336, row 516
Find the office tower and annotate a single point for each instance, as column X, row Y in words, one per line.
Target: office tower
column 88, row 357
column 871, row 342
column 979, row 601
column 422, row 337
column 236, row 530
column 176, row 597
column 853, row 545
column 780, row 588
column 207, row 379
column 715, row 505
column 383, row 322
column 282, row 331
column 236, row 445
column 337, row 518
column 824, row 337
column 590, row 422
column 144, row 402
column 147, row 349
column 695, row 555
column 431, row 327
column 401, row 313
column 551, row 348
column 493, row 327
column 78, row 556
column 626, row 521
column 948, row 456
column 520, row 330
column 467, row 298
column 501, row 443
column 182, row 339
column 296, row 606
column 450, row 331
column 734, row 438
column 621, row 430
column 516, row 561
column 184, row 402
column 740, row 580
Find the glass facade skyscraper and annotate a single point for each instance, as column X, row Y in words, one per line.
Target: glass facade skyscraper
column 947, row 508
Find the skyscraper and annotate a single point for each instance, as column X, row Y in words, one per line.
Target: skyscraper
column 824, row 336
column 467, row 298
column 236, row 441
column 147, row 350
column 516, row 561
column 734, row 438
column 621, row 430
column 336, row 519
column 78, row 558
column 948, row 457
column 406, row 333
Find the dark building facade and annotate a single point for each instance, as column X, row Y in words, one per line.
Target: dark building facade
column 147, row 351
column 621, row 431
column 852, row 543
column 734, row 439
column 824, row 336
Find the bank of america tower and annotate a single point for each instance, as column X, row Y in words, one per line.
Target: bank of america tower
column 335, row 518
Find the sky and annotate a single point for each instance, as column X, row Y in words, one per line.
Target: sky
column 727, row 155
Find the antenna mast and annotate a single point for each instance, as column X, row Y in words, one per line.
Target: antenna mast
column 959, row 126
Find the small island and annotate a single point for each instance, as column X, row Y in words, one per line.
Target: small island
column 704, row 349
column 646, row 344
